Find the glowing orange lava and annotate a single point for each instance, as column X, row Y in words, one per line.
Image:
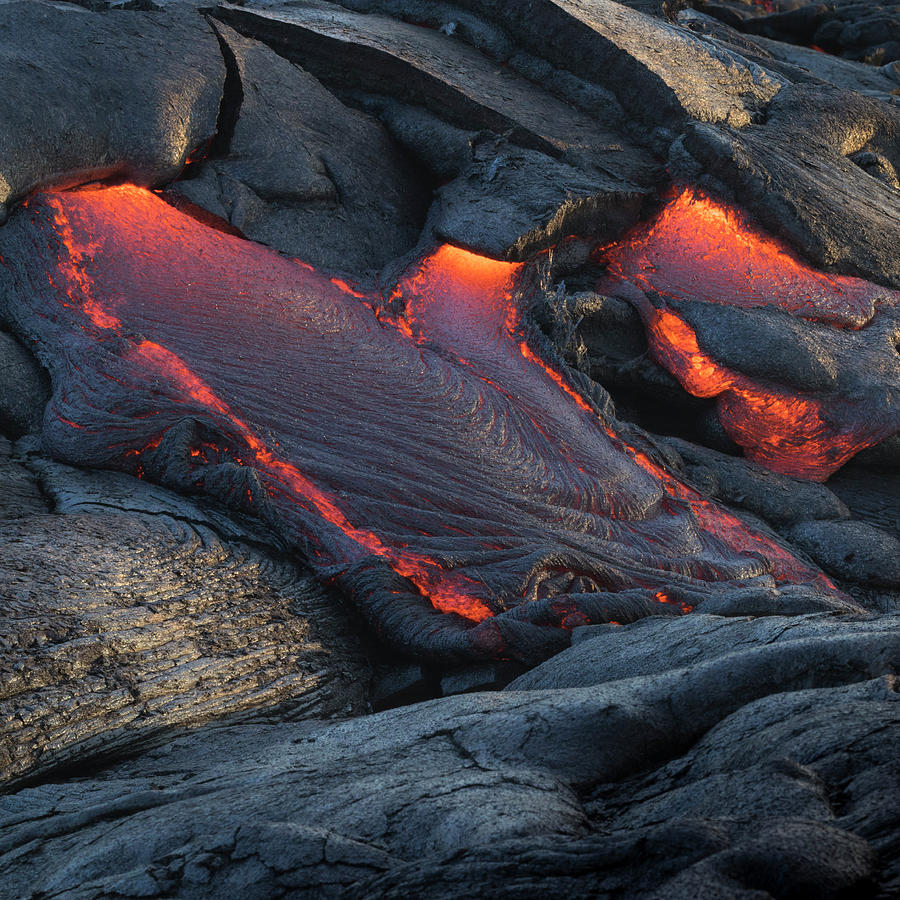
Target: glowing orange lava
column 447, row 590
column 442, row 443
column 788, row 433
column 696, row 248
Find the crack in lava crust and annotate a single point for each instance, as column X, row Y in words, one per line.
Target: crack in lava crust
column 451, row 479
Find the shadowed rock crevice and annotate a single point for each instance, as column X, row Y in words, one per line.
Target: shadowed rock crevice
column 232, row 100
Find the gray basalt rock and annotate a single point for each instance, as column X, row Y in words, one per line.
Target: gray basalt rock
column 865, row 31
column 872, row 495
column 799, row 63
column 134, row 94
column 856, row 551
column 379, row 55
column 659, row 73
column 21, row 495
column 513, row 792
column 523, row 167
column 121, row 624
column 604, row 653
column 299, row 171
column 24, row 389
column 803, row 355
column 513, row 203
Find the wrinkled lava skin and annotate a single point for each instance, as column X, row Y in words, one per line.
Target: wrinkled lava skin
column 697, row 249
column 453, row 481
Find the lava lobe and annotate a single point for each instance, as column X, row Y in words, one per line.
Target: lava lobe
column 697, row 250
column 441, row 466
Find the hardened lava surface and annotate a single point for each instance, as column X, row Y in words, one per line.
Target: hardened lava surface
column 438, row 465
column 698, row 250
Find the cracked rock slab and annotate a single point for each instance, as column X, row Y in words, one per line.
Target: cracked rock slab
column 301, row 172
column 134, row 94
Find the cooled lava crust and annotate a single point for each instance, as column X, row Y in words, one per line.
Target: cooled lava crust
column 439, row 463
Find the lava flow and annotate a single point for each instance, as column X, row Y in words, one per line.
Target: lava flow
column 450, row 478
column 788, row 433
column 698, row 250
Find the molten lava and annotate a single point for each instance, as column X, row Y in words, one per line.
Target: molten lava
column 696, row 249
column 434, row 464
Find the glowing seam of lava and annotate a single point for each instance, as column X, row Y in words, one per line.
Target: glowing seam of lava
column 73, row 269
column 698, row 249
column 444, row 589
column 710, row 517
column 785, row 432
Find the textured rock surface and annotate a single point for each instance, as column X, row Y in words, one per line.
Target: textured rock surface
column 557, row 170
column 126, row 616
column 726, row 776
column 779, row 499
column 855, row 550
column 182, row 710
column 866, row 31
column 295, row 169
column 134, row 95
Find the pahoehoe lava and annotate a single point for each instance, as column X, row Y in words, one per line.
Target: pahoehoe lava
column 439, row 464
column 697, row 250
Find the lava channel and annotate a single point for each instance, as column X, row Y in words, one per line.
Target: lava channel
column 698, row 250
column 441, row 467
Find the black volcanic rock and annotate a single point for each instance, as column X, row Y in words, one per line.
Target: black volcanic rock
column 865, row 31
column 299, row 171
column 659, row 73
column 513, row 203
column 856, row 551
column 779, row 499
column 89, row 96
column 379, row 55
column 523, row 167
column 603, row 653
column 24, row 389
